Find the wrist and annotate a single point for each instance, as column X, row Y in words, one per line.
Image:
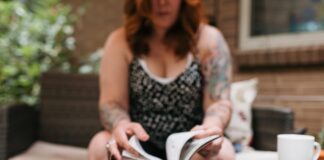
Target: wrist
column 112, row 114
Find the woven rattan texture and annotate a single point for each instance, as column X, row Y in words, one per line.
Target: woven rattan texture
column 3, row 132
column 69, row 112
column 267, row 123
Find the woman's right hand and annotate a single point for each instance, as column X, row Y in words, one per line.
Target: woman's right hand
column 120, row 133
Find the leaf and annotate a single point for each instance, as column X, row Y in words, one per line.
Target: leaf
column 9, row 70
column 35, row 36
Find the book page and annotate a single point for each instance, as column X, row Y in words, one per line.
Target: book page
column 195, row 145
column 176, row 142
column 134, row 142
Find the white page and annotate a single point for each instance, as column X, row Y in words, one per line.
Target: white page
column 175, row 143
column 196, row 145
column 134, row 142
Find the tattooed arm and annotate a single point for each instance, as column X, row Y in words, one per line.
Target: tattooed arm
column 216, row 66
column 113, row 101
column 111, row 114
column 113, row 77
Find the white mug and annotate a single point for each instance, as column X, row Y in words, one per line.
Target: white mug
column 297, row 147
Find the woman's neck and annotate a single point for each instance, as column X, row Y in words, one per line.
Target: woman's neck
column 157, row 42
column 159, row 33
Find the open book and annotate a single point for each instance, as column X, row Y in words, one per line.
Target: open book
column 179, row 146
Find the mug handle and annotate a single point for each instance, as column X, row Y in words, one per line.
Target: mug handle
column 317, row 151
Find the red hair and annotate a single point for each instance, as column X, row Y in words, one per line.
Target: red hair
column 181, row 37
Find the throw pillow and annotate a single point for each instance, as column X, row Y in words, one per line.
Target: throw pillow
column 242, row 96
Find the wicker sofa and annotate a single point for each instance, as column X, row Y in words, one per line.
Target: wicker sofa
column 68, row 117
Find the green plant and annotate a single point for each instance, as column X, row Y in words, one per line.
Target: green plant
column 35, row 36
column 90, row 64
column 321, row 138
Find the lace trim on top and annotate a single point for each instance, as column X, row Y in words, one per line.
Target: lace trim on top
column 163, row 80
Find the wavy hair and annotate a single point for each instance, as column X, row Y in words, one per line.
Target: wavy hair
column 181, row 37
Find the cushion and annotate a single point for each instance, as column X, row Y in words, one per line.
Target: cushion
column 239, row 130
column 48, row 151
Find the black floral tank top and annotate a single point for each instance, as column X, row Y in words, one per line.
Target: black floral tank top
column 163, row 108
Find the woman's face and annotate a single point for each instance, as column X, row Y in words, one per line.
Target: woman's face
column 165, row 13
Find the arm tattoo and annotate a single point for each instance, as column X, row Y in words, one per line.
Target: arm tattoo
column 112, row 113
column 218, row 70
column 220, row 111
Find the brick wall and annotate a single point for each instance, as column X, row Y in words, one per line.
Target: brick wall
column 101, row 18
column 228, row 21
column 301, row 89
column 291, row 85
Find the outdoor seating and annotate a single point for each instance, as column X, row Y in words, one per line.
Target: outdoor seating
column 67, row 117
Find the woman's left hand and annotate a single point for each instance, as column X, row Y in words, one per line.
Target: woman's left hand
column 214, row 147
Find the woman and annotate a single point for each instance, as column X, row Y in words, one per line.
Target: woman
column 164, row 71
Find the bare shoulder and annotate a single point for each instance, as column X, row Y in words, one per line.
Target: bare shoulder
column 117, row 36
column 210, row 40
column 116, row 45
column 208, row 31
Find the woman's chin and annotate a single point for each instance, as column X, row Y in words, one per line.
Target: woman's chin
column 163, row 26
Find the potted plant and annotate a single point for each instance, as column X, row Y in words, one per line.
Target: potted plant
column 35, row 37
column 321, row 140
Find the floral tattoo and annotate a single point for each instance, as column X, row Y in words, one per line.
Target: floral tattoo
column 217, row 73
column 217, row 69
column 112, row 113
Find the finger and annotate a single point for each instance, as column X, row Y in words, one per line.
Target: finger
column 123, row 142
column 219, row 141
column 130, row 149
column 209, row 132
column 140, row 132
column 216, row 145
column 197, row 127
column 129, row 132
column 113, row 148
column 212, row 148
column 204, row 134
column 207, row 147
column 205, row 151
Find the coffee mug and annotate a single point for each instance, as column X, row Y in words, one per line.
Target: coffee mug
column 297, row 147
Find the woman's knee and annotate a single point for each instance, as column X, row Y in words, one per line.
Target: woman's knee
column 96, row 149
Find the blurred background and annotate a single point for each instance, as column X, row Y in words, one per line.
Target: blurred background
column 279, row 42
column 291, row 75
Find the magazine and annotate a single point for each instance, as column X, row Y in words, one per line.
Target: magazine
column 179, row 146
